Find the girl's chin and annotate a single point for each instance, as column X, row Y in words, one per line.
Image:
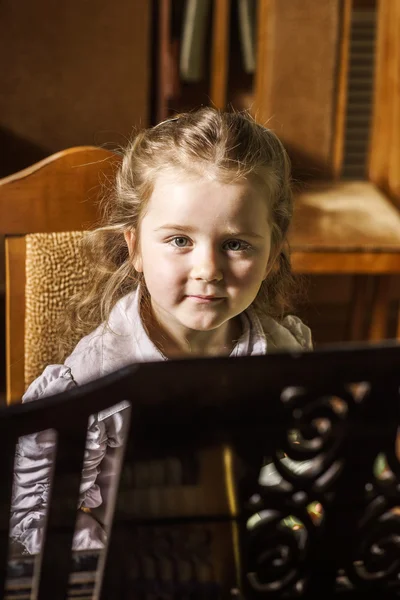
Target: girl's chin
column 201, row 326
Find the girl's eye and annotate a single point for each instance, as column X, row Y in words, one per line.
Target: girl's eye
column 236, row 245
column 180, row 242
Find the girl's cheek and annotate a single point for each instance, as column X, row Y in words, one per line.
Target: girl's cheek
column 245, row 269
column 168, row 266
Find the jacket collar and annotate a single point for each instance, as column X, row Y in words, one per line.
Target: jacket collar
column 125, row 340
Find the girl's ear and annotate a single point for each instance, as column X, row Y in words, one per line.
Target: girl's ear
column 131, row 242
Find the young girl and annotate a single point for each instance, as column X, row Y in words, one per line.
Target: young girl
column 190, row 262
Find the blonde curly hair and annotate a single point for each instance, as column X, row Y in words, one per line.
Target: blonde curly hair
column 207, row 143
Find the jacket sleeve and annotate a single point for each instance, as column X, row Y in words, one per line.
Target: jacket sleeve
column 33, row 468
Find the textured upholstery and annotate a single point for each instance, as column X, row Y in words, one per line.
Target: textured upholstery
column 55, row 270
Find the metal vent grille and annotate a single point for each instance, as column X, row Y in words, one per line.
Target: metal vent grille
column 359, row 94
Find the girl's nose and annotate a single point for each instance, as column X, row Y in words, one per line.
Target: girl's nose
column 207, row 267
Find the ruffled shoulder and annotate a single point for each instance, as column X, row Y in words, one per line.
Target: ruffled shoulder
column 290, row 334
column 54, row 380
column 299, row 330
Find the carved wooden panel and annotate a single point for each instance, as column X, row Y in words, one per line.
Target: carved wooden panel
column 276, row 476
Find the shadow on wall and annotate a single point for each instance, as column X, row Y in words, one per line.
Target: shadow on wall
column 307, row 168
column 18, row 153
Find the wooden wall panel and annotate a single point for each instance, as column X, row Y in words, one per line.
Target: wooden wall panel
column 296, row 78
column 72, row 73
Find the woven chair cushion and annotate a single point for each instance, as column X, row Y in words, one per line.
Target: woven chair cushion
column 55, row 270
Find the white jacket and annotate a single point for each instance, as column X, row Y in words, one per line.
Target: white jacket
column 123, row 341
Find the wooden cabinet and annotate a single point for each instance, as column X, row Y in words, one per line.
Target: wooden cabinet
column 72, row 73
column 327, row 81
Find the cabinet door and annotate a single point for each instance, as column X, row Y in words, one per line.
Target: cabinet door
column 72, row 73
column 298, row 45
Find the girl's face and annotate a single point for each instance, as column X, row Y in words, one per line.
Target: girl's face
column 203, row 250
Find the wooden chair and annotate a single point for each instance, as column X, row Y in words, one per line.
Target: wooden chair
column 221, row 529
column 58, row 194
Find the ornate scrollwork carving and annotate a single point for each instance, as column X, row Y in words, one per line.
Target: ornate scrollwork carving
column 315, row 431
column 297, row 494
column 277, row 551
column 377, row 554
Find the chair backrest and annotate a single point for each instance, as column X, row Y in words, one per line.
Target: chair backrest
column 58, row 194
column 322, row 420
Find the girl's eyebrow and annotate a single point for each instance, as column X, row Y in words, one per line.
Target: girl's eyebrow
column 187, row 228
column 251, row 234
column 191, row 229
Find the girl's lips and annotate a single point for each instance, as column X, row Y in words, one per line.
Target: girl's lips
column 206, row 299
